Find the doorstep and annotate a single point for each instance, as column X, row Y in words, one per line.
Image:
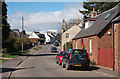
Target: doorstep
column 107, row 70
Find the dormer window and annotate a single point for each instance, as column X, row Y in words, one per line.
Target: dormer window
column 89, row 22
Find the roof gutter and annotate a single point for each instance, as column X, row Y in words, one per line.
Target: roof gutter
column 84, row 37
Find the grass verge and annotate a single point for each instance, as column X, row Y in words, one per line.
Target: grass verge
column 12, row 55
column 3, row 60
column 37, row 48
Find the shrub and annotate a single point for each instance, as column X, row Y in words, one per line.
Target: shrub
column 68, row 46
column 17, row 44
column 93, row 62
column 5, row 52
column 9, row 43
column 26, row 42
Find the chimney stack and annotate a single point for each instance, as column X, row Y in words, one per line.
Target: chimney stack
column 63, row 26
column 93, row 13
column 93, row 9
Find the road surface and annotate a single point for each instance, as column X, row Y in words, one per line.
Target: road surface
column 43, row 64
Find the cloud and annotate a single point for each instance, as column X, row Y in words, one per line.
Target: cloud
column 46, row 0
column 44, row 21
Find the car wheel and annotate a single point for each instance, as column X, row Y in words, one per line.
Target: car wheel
column 59, row 63
column 63, row 65
column 87, row 68
column 56, row 61
column 67, row 66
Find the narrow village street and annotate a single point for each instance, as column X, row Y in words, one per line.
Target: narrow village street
column 60, row 39
column 43, row 64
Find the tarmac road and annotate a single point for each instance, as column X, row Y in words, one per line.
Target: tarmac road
column 43, row 64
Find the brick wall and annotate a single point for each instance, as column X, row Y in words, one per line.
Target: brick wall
column 93, row 55
column 102, row 40
column 73, row 44
column 106, row 40
column 86, row 41
column 79, row 44
column 117, row 45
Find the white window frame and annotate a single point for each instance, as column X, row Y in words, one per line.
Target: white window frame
column 68, row 35
column 76, row 44
column 90, row 45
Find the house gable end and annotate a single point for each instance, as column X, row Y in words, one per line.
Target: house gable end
column 33, row 35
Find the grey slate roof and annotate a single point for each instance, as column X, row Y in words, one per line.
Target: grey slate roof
column 100, row 23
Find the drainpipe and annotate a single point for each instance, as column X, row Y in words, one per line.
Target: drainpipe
column 113, row 49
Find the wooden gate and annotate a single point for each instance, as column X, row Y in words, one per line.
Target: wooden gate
column 105, row 57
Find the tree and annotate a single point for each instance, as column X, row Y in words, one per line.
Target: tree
column 58, row 37
column 23, row 32
column 13, row 43
column 99, row 7
column 5, row 24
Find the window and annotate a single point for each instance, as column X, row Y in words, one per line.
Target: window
column 90, row 45
column 67, row 35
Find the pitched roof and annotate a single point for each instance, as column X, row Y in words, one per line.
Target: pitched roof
column 116, row 19
column 37, row 33
column 102, row 20
column 16, row 31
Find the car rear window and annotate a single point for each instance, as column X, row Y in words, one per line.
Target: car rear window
column 78, row 51
column 63, row 53
column 53, row 47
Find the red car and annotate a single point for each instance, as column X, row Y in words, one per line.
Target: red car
column 59, row 56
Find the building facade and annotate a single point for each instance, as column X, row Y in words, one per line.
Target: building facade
column 36, row 38
column 116, row 25
column 68, row 35
column 97, row 39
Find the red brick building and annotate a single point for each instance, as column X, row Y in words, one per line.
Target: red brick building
column 116, row 25
column 97, row 38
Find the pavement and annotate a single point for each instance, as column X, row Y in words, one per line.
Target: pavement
column 9, row 66
column 5, row 58
column 106, row 70
column 42, row 64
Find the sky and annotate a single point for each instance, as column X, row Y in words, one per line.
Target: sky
column 42, row 16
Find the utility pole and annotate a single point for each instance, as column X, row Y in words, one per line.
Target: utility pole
column 22, row 33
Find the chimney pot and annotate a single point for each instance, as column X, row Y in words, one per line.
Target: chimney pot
column 93, row 9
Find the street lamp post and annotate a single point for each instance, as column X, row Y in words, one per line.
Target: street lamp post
column 22, row 34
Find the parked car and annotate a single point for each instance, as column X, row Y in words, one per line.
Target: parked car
column 56, row 44
column 56, row 40
column 59, row 56
column 69, row 51
column 77, row 57
column 53, row 49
